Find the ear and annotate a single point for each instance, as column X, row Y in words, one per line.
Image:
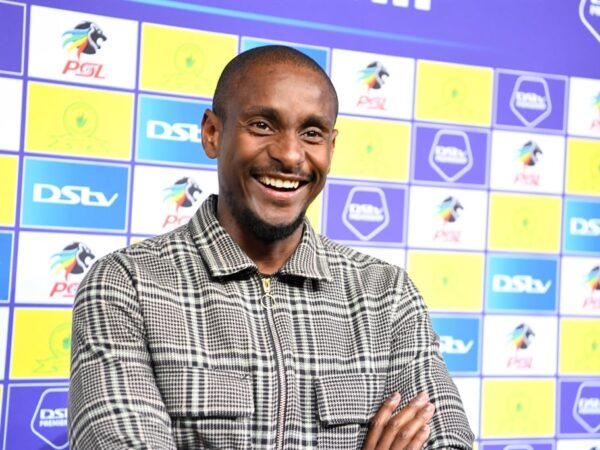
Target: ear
column 211, row 133
column 332, row 149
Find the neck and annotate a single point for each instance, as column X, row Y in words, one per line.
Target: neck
column 269, row 256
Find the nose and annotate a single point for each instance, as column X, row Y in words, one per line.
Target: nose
column 288, row 150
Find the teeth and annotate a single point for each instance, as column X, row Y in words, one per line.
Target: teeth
column 278, row 183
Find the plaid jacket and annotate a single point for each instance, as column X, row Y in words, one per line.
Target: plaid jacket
column 178, row 342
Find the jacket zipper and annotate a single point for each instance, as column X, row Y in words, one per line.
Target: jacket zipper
column 266, row 302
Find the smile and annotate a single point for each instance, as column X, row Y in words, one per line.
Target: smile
column 278, row 183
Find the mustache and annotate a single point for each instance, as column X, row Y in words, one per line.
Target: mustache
column 276, row 168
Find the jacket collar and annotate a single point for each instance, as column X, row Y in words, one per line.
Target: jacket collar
column 224, row 257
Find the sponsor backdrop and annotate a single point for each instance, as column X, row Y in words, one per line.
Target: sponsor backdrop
column 469, row 153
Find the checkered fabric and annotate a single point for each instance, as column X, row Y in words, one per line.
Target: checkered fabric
column 175, row 346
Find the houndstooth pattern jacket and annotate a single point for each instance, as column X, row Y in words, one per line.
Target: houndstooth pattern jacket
column 179, row 342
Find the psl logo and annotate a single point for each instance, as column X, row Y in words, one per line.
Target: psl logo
column 451, row 155
column 87, row 37
column 520, row 338
column 589, row 13
column 366, row 212
column 49, row 421
column 448, row 211
column 73, row 259
column 528, row 156
column 592, row 281
column 182, row 194
column 373, row 77
column 586, row 409
column 530, row 100
column 596, row 105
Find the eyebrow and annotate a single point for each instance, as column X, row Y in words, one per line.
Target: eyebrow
column 274, row 115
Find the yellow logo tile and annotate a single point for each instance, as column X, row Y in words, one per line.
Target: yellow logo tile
column 79, row 121
column 583, row 167
column 524, row 223
column 518, row 408
column 375, row 149
column 8, row 189
column 41, row 344
column 182, row 60
column 448, row 281
column 313, row 213
column 454, row 93
column 579, row 347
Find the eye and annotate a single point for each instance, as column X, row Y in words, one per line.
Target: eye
column 264, row 126
column 313, row 134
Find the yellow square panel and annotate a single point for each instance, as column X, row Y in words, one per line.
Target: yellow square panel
column 454, row 93
column 314, row 213
column 518, row 408
column 8, row 189
column 184, row 61
column 448, row 281
column 373, row 149
column 79, row 121
column 528, row 223
column 41, row 345
column 583, row 167
column 579, row 352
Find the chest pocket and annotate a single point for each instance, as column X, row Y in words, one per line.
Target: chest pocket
column 346, row 403
column 209, row 409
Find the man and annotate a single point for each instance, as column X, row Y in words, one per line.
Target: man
column 245, row 329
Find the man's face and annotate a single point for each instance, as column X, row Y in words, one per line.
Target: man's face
column 274, row 148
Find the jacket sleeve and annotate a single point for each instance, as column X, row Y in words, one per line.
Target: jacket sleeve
column 416, row 365
column 114, row 402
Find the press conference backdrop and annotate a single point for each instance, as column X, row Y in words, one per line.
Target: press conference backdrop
column 468, row 153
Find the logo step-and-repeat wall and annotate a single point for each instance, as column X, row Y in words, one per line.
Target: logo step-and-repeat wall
column 482, row 179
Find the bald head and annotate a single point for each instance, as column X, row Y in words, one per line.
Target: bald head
column 233, row 76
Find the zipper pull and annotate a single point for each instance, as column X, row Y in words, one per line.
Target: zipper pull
column 267, row 299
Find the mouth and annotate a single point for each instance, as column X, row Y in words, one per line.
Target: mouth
column 280, row 184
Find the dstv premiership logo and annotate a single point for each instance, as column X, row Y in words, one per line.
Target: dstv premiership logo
column 74, row 259
column 423, row 5
column 49, row 421
column 454, row 346
column 589, row 13
column 71, row 195
column 520, row 338
column 373, row 77
column 528, row 156
column 448, row 212
column 184, row 193
column 86, row 38
column 451, row 155
column 592, row 282
column 530, row 100
column 586, row 409
column 366, row 212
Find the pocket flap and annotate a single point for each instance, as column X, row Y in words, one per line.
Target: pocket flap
column 196, row 391
column 347, row 398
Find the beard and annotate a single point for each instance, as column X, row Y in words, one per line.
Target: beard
column 263, row 231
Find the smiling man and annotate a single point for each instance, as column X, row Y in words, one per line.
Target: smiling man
column 246, row 329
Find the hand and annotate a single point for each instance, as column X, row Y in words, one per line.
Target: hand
column 407, row 430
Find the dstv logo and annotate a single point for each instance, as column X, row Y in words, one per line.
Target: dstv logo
column 71, row 195
column 519, row 284
column 423, row 5
column 453, row 346
column 178, row 132
column 579, row 226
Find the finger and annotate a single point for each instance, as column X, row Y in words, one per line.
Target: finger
column 395, row 425
column 408, row 437
column 380, row 420
column 420, row 438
